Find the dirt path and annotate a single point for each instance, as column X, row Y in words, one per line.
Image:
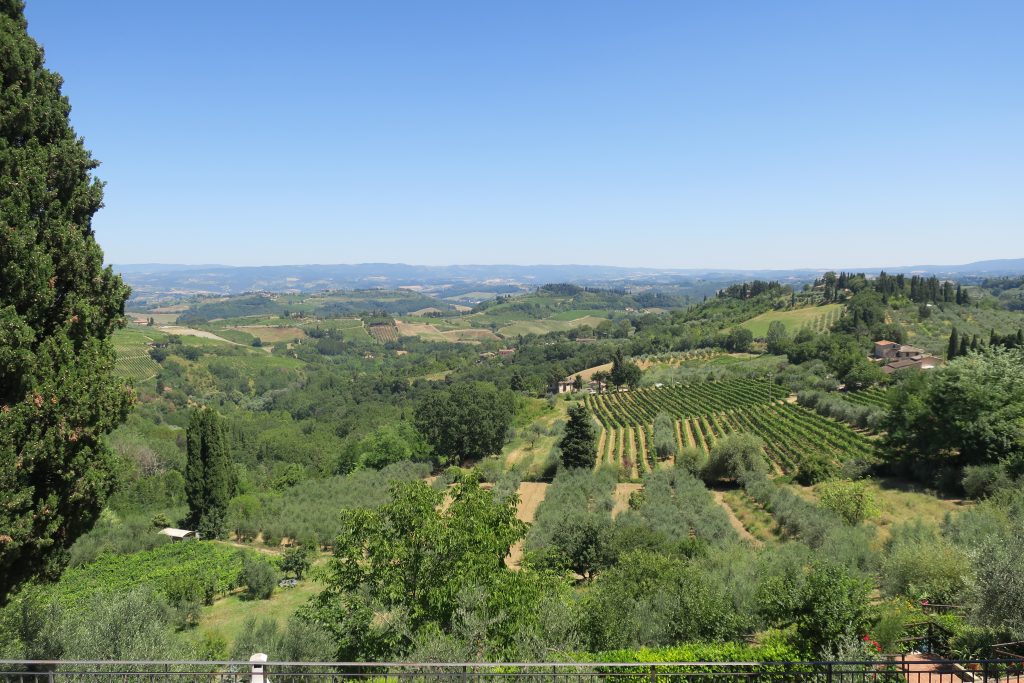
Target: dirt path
column 621, row 497
column 735, row 521
column 531, row 495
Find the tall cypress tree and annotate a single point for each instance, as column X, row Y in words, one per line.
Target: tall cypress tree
column 579, row 444
column 58, row 309
column 965, row 346
column 208, row 480
column 954, row 345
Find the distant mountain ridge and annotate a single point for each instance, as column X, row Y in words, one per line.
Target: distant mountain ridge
column 150, row 279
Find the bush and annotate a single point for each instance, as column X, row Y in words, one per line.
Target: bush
column 259, row 578
column 851, row 500
column 981, row 481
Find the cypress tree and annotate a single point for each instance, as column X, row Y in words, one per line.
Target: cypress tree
column 954, row 345
column 58, row 309
column 208, row 480
column 1020, row 339
column 965, row 346
column 579, row 444
column 975, row 344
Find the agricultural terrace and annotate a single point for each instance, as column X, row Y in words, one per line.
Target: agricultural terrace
column 799, row 442
column 383, row 333
column 817, row 318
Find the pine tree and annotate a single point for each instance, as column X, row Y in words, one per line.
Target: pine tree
column 58, row 310
column 208, row 474
column 579, row 444
column 954, row 345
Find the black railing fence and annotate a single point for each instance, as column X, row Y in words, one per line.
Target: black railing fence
column 896, row 669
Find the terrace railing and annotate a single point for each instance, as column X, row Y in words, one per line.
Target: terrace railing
column 899, row 669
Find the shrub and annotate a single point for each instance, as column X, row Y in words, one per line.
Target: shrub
column 851, row 500
column 259, row 578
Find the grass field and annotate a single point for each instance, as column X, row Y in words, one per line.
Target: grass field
column 577, row 314
column 227, row 615
column 819, row 318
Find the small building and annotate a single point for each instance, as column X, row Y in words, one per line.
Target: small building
column 564, row 386
column 505, row 353
column 919, row 362
column 886, row 349
column 179, row 534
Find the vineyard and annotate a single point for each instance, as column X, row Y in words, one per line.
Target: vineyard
column 874, row 397
column 215, row 563
column 132, row 350
column 799, row 441
column 640, row 407
column 383, row 333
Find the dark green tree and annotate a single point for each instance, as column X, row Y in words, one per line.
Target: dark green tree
column 954, row 345
column 579, row 444
column 58, row 309
column 965, row 346
column 624, row 372
column 469, row 420
column 208, row 473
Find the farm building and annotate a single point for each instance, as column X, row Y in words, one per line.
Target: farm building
column 565, row 386
column 179, row 534
column 885, row 349
column 505, row 353
column 919, row 362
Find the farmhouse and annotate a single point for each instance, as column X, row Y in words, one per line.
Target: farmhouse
column 179, row 534
column 885, row 349
column 564, row 386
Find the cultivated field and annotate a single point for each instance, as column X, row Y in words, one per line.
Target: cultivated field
column 132, row 348
column 383, row 332
column 818, row 318
column 798, row 441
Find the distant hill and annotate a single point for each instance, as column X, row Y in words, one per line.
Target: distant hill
column 152, row 280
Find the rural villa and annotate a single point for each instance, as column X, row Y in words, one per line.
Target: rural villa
column 895, row 356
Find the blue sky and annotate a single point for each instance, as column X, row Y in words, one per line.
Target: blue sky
column 666, row 134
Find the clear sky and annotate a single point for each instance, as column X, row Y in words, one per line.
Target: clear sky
column 666, row 134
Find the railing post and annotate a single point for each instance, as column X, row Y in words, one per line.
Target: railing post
column 828, row 673
column 653, row 676
column 258, row 662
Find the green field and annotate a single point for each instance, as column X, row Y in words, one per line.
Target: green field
column 818, row 318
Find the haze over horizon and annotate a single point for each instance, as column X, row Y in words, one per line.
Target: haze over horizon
column 659, row 135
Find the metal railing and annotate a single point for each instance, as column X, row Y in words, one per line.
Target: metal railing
column 896, row 669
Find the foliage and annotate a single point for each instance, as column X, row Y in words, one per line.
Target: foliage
column 579, row 444
column 297, row 560
column 851, row 500
column 649, row 599
column 415, row 557
column 665, row 444
column 298, row 641
column 832, row 607
column 467, row 421
column 208, row 476
column 968, row 412
column 58, row 309
column 259, row 578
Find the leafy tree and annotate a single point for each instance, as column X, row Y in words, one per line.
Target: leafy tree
column 778, row 339
column 832, row 608
column 851, row 500
column 954, row 340
column 415, row 557
column 739, row 340
column 968, row 412
column 296, row 561
column 58, row 309
column 392, row 443
column 469, row 420
column 259, row 577
column 665, row 444
column 209, row 480
column 624, row 372
column 579, row 444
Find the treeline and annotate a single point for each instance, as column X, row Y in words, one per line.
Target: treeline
column 746, row 290
column 917, row 288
